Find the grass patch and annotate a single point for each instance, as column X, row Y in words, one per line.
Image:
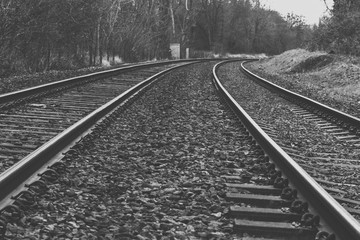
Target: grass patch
column 312, row 63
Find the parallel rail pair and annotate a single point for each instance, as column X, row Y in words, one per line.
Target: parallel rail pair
column 11, row 184
column 334, row 215
column 16, row 181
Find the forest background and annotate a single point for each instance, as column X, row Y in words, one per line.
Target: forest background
column 41, row 35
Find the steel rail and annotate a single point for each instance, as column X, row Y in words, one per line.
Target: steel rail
column 14, row 179
column 344, row 117
column 13, row 96
column 340, row 221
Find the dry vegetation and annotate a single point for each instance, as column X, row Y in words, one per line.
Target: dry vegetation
column 328, row 78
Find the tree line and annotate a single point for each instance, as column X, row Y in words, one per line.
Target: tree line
column 339, row 32
column 246, row 26
column 39, row 35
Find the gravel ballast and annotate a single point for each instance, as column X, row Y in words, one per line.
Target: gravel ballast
column 269, row 108
column 296, row 132
column 154, row 173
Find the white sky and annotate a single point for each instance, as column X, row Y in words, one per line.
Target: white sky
column 312, row 10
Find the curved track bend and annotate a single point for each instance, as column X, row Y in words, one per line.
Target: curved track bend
column 30, row 117
column 260, row 217
column 342, row 125
column 335, row 167
column 47, row 126
column 274, row 199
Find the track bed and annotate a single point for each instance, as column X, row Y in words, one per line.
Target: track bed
column 313, row 143
column 31, row 123
column 175, row 163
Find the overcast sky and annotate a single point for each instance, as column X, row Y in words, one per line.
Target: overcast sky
column 312, row 10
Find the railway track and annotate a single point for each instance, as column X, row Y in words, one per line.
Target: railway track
column 39, row 122
column 344, row 126
column 327, row 167
column 267, row 193
column 31, row 117
column 299, row 178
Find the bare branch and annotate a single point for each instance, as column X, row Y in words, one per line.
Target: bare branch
column 327, row 6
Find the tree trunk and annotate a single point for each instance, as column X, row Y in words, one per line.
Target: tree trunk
column 90, row 55
column 165, row 22
column 98, row 42
column 113, row 51
column 94, row 47
column 47, row 64
column 100, row 55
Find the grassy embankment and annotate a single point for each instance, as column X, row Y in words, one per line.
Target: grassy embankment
column 329, row 78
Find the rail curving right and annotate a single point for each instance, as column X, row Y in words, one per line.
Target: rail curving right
column 330, row 211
